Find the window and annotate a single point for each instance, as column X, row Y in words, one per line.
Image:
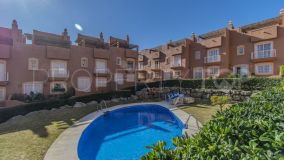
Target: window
column 241, row 50
column 118, row 61
column 265, row 68
column 33, row 64
column 241, row 70
column 2, row 93
column 3, row 71
column 264, row 50
column 101, row 66
column 35, row 87
column 213, row 71
column 177, row 74
column 130, row 65
column 84, row 84
column 157, row 64
column 197, row 55
column 167, row 75
column 198, row 73
column 101, row 82
column 140, row 66
column 157, row 75
column 149, row 63
column 213, row 55
column 168, row 60
column 177, row 60
column 118, row 77
column 58, row 68
column 84, row 62
column 130, row 77
column 58, row 87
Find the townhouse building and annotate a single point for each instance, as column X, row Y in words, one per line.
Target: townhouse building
column 251, row 50
column 48, row 63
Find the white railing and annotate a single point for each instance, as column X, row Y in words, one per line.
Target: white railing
column 176, row 65
column 101, row 71
column 58, row 73
column 263, row 54
column 212, row 59
column 4, row 77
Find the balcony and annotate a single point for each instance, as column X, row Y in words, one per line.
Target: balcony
column 101, row 72
column 141, row 76
column 4, row 79
column 58, row 75
column 177, row 66
column 263, row 56
column 212, row 60
column 156, row 68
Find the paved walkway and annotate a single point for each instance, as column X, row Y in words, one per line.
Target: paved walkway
column 65, row 146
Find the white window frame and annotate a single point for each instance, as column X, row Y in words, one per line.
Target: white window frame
column 262, row 64
column 3, row 77
column 133, row 67
column 213, row 55
column 103, row 69
column 198, row 69
column 213, row 75
column 3, row 90
column 62, row 72
column 31, row 66
column 140, row 65
column 52, row 86
column 101, row 82
column 119, row 78
column 176, row 60
column 197, row 55
column 263, row 52
column 238, row 50
column 86, row 88
column 84, row 62
column 130, row 77
column 118, row 61
column 157, row 64
column 241, row 65
column 33, row 86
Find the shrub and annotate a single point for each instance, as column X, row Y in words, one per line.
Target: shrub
column 249, row 130
column 7, row 113
column 221, row 101
column 32, row 97
column 282, row 71
column 247, row 84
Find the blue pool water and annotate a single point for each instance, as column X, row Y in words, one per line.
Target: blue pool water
column 122, row 134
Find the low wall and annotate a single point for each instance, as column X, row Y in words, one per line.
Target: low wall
column 237, row 95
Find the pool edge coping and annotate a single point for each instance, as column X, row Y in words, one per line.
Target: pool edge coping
column 65, row 146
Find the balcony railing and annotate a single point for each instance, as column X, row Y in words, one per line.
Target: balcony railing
column 101, row 71
column 263, row 54
column 212, row 59
column 58, row 73
column 176, row 65
column 4, row 77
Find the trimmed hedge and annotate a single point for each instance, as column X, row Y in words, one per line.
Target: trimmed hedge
column 247, row 84
column 7, row 113
column 248, row 130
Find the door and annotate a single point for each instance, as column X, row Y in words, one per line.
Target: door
column 84, row 84
column 2, row 71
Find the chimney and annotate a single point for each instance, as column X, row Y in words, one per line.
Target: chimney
column 65, row 34
column 230, row 26
column 14, row 25
column 127, row 39
column 102, row 36
column 282, row 16
column 193, row 37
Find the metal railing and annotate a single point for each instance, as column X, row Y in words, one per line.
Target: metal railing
column 263, row 54
column 211, row 59
column 58, row 73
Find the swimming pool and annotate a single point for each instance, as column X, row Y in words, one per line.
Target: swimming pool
column 122, row 134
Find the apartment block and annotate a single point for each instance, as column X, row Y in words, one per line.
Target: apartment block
column 48, row 63
column 250, row 50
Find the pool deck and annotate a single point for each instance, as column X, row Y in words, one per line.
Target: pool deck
column 65, row 146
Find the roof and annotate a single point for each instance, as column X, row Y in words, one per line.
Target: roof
column 175, row 43
column 264, row 23
column 88, row 38
column 212, row 34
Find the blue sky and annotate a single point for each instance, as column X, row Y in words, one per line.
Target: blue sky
column 148, row 22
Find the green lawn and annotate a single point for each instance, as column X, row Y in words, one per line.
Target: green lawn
column 29, row 137
column 202, row 111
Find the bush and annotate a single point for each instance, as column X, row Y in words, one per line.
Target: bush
column 248, row 130
column 221, row 101
column 7, row 113
column 32, row 97
column 247, row 84
column 282, row 71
